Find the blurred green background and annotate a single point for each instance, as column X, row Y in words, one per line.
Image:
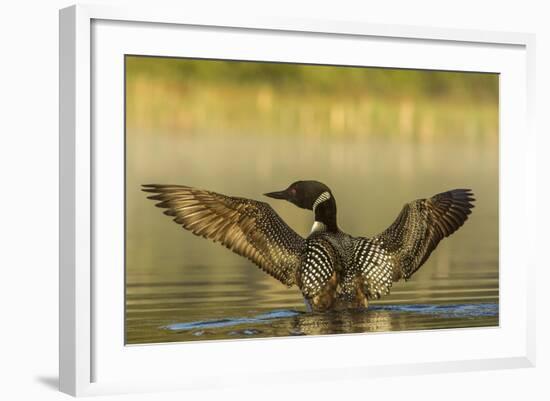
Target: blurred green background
column 377, row 137
column 190, row 96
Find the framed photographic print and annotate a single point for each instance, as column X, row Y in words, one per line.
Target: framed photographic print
column 261, row 190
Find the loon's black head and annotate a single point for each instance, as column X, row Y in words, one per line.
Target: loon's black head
column 304, row 194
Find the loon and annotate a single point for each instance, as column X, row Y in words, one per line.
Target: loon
column 332, row 269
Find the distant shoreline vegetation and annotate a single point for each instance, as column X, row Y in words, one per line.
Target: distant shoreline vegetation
column 189, row 95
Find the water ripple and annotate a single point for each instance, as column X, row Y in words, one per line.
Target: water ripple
column 220, row 323
column 449, row 310
column 435, row 311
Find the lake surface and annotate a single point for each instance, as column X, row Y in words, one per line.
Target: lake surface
column 184, row 288
column 229, row 306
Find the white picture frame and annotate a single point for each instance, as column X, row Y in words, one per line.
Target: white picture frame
column 92, row 358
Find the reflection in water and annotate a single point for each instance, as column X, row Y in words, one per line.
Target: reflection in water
column 375, row 319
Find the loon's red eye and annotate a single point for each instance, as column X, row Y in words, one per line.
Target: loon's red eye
column 293, row 191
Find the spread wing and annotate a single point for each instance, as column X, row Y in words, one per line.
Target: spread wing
column 249, row 228
column 403, row 247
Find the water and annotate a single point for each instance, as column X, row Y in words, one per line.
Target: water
column 377, row 318
column 184, row 288
column 231, row 305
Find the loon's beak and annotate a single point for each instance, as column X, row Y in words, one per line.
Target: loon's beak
column 278, row 195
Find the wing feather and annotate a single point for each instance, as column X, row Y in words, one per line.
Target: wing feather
column 249, row 228
column 400, row 250
column 421, row 225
